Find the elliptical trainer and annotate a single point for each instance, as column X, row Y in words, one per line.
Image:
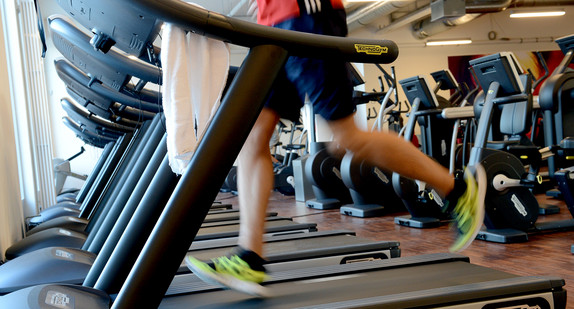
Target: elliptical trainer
column 423, row 203
column 370, row 187
column 322, row 169
column 555, row 101
column 555, row 97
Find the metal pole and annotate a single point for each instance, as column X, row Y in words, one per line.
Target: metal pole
column 484, row 124
column 134, row 225
column 180, row 222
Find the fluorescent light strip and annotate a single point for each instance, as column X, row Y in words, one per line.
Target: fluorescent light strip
column 450, row 42
column 536, row 14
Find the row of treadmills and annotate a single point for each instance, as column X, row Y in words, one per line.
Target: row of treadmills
column 120, row 241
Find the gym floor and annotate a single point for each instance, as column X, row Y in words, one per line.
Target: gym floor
column 546, row 254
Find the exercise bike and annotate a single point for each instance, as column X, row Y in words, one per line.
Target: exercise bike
column 510, row 206
column 284, row 181
column 284, row 178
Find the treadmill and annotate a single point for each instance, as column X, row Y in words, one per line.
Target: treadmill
column 425, row 281
column 420, row 281
column 47, row 265
column 88, row 137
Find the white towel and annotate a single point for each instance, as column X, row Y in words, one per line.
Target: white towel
column 195, row 71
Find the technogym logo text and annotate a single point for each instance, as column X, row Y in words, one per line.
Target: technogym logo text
column 371, row 49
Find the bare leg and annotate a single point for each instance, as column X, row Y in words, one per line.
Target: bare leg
column 255, row 181
column 389, row 151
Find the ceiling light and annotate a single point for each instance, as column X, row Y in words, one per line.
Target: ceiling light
column 523, row 14
column 449, row 42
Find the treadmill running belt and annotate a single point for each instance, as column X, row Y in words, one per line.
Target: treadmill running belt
column 397, row 283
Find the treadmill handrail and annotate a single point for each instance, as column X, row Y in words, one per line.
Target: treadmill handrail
column 549, row 95
column 67, row 72
column 87, row 136
column 133, row 67
column 96, row 121
column 248, row 34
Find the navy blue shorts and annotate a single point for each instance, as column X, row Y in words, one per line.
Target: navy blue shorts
column 326, row 82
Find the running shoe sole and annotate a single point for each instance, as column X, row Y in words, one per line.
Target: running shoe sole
column 480, row 177
column 209, row 275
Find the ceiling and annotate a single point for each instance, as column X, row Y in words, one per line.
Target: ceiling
column 386, row 16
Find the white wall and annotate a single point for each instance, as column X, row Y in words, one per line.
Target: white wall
column 414, row 59
column 515, row 35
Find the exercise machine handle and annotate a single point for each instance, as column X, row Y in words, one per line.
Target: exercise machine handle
column 248, row 34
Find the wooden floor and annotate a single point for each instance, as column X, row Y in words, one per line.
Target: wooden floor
column 547, row 254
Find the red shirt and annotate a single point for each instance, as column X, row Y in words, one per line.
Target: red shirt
column 272, row 12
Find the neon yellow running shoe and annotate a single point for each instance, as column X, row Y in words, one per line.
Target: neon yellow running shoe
column 231, row 272
column 469, row 210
